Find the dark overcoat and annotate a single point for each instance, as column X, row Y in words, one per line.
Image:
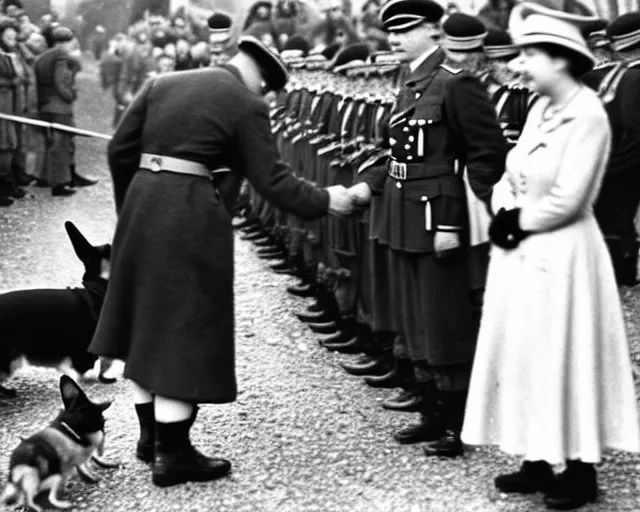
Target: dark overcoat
column 168, row 312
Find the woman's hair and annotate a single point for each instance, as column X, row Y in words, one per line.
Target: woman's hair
column 577, row 64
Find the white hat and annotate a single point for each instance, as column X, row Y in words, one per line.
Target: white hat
column 542, row 25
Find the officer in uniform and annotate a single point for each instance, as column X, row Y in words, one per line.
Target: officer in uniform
column 617, row 84
column 177, row 160
column 443, row 123
column 219, row 34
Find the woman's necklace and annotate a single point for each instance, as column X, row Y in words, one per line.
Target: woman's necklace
column 552, row 110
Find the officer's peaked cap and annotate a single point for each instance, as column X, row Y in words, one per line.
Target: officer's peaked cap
column 624, row 32
column 62, row 34
column 404, row 15
column 463, row 33
column 499, row 45
column 297, row 42
column 274, row 72
column 219, row 21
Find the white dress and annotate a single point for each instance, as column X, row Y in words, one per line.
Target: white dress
column 552, row 377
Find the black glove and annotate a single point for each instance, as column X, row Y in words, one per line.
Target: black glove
column 505, row 230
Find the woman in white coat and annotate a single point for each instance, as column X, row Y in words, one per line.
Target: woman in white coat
column 552, row 379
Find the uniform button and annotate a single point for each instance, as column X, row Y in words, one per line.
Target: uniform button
column 412, row 138
column 406, row 129
column 409, row 157
column 413, row 122
column 399, row 185
column 429, row 121
column 423, row 198
column 407, row 146
column 417, row 95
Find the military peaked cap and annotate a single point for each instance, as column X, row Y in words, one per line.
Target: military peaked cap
column 297, row 42
column 463, row 33
column 624, row 32
column 498, row 44
column 352, row 56
column 219, row 21
column 62, row 34
column 404, row 15
column 330, row 51
column 274, row 72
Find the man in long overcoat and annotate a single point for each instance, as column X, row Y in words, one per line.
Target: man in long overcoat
column 177, row 160
column 442, row 124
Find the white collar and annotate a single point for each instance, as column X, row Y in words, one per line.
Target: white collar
column 415, row 64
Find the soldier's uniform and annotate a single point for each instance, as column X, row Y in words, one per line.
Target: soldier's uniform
column 443, row 127
column 617, row 83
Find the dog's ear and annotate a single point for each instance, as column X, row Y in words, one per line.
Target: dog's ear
column 103, row 406
column 81, row 245
column 71, row 392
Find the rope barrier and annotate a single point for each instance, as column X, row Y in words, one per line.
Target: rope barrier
column 54, row 126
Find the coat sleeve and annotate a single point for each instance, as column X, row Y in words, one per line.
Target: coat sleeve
column 63, row 80
column 585, row 153
column 125, row 146
column 625, row 157
column 485, row 148
column 269, row 175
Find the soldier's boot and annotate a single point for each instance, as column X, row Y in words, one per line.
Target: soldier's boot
column 377, row 358
column 349, row 339
column 177, row 461
column 576, row 486
column 432, row 425
column 532, row 477
column 452, row 404
column 396, row 377
column 308, row 285
column 409, row 399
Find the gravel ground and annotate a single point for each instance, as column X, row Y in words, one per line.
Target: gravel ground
column 303, row 435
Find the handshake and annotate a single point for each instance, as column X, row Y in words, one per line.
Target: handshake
column 344, row 202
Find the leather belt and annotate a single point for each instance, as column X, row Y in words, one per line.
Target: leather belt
column 157, row 163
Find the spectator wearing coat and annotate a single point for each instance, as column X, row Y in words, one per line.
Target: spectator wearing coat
column 9, row 189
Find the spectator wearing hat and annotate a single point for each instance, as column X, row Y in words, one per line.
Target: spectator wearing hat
column 164, row 163
column 442, row 119
column 184, row 60
column 285, row 19
column 55, row 72
column 552, row 379
column 219, row 35
column 617, row 82
column 259, row 24
column 336, row 28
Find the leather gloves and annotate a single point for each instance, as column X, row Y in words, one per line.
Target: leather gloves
column 505, row 230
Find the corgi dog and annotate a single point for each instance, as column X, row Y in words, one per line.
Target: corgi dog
column 54, row 327
column 45, row 460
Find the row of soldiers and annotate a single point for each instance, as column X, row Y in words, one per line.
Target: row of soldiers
column 402, row 284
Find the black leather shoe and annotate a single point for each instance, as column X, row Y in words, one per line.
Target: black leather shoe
column 304, row 290
column 253, row 235
column 282, row 267
column 42, row 183
column 313, row 316
column 251, row 229
column 265, row 243
column 574, row 487
column 367, row 365
column 343, row 344
column 81, row 181
column 145, row 448
column 24, row 180
column 391, row 379
column 533, row 476
column 271, row 254
column 407, row 401
column 329, row 327
column 429, row 429
column 449, row 445
column 241, row 223
column 268, row 250
column 62, row 191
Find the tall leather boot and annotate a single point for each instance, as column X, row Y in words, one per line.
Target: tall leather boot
column 452, row 404
column 145, row 448
column 432, row 425
column 177, row 461
column 574, row 487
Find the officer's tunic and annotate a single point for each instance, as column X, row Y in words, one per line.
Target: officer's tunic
column 552, row 377
column 443, row 122
column 169, row 310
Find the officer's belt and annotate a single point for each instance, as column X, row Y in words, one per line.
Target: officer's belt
column 412, row 171
column 157, row 163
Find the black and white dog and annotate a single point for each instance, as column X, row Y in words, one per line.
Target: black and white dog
column 54, row 327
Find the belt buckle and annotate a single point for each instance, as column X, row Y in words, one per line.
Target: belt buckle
column 155, row 163
column 403, row 171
